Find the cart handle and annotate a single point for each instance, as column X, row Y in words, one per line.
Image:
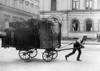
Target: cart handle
column 69, row 48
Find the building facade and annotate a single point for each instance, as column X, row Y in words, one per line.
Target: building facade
column 17, row 10
column 78, row 17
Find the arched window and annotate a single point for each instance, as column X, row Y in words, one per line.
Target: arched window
column 89, row 26
column 99, row 26
column 53, row 5
column 89, row 4
column 75, row 25
column 6, row 21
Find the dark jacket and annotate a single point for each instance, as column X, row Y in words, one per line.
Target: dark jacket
column 78, row 44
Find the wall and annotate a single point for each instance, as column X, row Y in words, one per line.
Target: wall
column 18, row 10
column 82, row 17
column 24, row 5
column 68, row 14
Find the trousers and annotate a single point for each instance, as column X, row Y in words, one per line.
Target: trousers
column 74, row 50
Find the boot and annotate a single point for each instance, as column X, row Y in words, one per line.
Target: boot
column 66, row 58
column 79, row 60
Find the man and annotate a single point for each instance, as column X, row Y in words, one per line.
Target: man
column 77, row 47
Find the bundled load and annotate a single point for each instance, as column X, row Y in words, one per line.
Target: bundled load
column 34, row 33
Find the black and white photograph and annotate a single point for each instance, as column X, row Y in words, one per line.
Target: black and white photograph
column 49, row 35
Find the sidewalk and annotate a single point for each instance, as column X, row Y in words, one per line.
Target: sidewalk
column 95, row 42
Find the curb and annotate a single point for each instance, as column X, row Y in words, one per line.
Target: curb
column 87, row 43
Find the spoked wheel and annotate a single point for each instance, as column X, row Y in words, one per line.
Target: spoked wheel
column 24, row 55
column 47, row 56
column 33, row 53
column 54, row 53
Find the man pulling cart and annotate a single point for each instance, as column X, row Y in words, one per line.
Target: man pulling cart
column 77, row 47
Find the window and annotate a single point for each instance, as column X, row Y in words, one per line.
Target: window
column 15, row 3
column 6, row 21
column 5, row 2
column 27, row 2
column 53, row 5
column 89, row 27
column 32, row 7
column 75, row 25
column 21, row 5
column 99, row 26
column 89, row 4
column 8, row 3
column 27, row 6
column 37, row 0
column 37, row 7
column 32, row 4
column 75, row 4
column 21, row 1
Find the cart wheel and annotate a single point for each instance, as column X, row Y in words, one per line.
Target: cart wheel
column 24, row 55
column 33, row 53
column 54, row 53
column 47, row 56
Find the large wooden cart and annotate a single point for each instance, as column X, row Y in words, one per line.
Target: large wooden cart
column 43, row 35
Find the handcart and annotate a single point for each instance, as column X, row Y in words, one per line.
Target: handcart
column 44, row 34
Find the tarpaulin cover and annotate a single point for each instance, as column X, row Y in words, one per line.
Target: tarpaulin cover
column 48, row 38
column 26, row 37
column 22, row 38
column 43, row 34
